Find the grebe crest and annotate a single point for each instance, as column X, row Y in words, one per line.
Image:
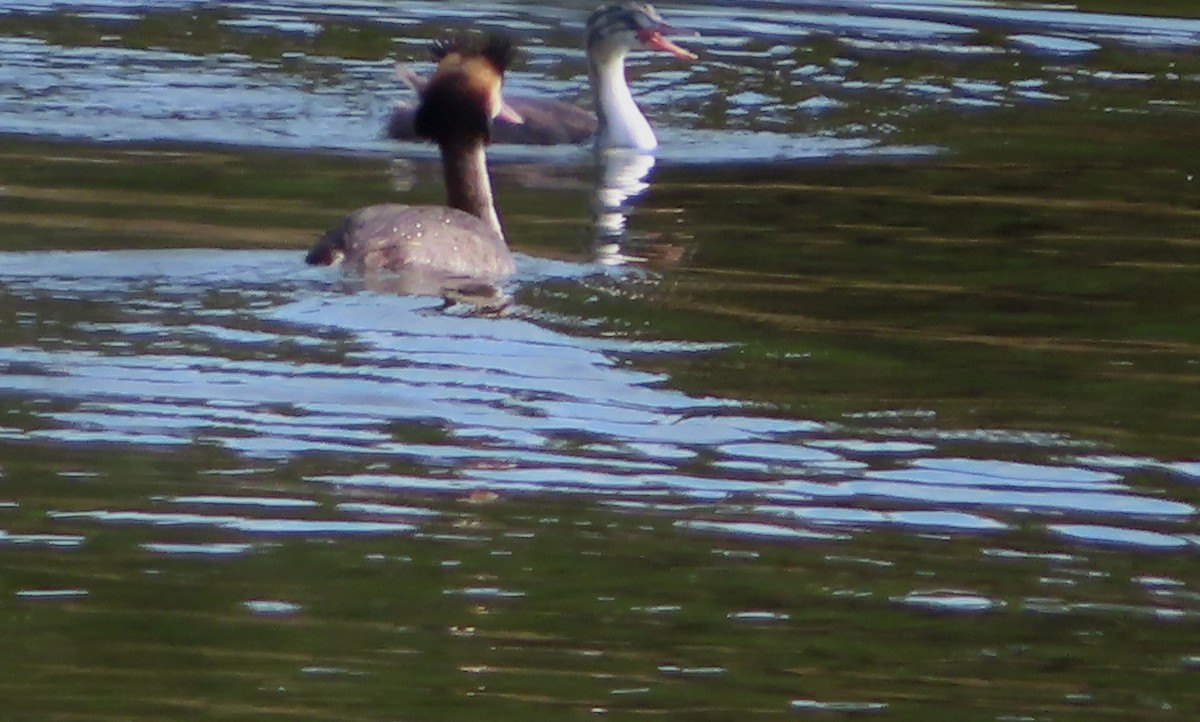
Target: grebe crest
column 463, row 94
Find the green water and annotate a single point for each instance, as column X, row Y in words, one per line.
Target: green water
column 1029, row 291
column 574, row 610
column 1039, row 276
column 1035, row 280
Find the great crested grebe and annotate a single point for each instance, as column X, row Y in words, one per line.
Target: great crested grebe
column 464, row 240
column 612, row 32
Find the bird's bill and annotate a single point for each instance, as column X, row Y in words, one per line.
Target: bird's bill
column 655, row 40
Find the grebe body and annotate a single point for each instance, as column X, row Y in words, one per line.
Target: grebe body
column 463, row 239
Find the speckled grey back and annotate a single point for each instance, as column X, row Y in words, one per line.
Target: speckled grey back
column 444, row 241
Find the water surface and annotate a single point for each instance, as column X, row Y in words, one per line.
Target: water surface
column 901, row 424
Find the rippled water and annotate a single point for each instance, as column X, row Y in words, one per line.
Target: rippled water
column 273, row 363
column 775, row 80
column 903, row 430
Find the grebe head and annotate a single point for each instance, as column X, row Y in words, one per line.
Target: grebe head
column 462, row 96
column 614, row 30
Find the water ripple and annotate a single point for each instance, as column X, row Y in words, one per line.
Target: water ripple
column 770, row 84
column 385, row 396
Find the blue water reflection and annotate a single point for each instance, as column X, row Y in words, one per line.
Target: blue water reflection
column 756, row 94
column 287, row 366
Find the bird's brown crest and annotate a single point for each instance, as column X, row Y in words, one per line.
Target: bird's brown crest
column 498, row 50
column 463, row 93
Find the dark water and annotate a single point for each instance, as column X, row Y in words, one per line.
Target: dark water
column 902, row 424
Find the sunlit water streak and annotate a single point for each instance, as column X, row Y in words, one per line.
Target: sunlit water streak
column 753, row 96
column 132, row 348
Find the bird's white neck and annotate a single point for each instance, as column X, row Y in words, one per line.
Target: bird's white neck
column 621, row 123
column 468, row 187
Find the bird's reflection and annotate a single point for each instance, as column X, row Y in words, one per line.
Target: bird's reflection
column 622, row 177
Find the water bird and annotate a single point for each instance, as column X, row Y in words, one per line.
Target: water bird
column 612, row 32
column 463, row 239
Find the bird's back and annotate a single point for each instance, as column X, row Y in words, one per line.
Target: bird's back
column 545, row 122
column 400, row 238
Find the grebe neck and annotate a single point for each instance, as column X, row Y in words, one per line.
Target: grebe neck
column 621, row 123
column 468, row 187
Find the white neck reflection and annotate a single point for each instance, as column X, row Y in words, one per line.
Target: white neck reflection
column 622, row 176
